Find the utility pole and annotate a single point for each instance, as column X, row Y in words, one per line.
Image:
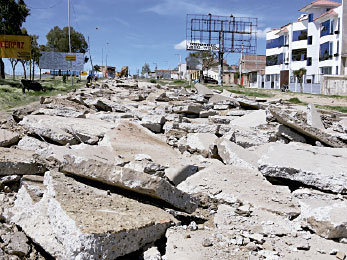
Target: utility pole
column 68, row 9
column 240, row 66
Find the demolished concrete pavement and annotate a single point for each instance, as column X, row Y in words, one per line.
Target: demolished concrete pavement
column 139, row 170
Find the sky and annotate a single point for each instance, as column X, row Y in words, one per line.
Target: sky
column 132, row 32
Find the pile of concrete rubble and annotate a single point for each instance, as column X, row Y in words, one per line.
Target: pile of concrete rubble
column 135, row 170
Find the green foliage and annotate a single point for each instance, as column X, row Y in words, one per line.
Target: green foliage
column 58, row 40
column 153, row 81
column 300, row 73
column 179, row 81
column 12, row 15
column 145, row 69
column 296, row 101
column 97, row 68
column 208, row 58
column 336, row 108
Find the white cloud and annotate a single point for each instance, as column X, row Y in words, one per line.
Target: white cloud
column 181, row 46
column 173, row 7
column 262, row 33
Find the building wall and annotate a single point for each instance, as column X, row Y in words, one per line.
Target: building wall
column 314, row 71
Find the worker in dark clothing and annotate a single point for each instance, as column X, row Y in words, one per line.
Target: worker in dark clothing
column 89, row 81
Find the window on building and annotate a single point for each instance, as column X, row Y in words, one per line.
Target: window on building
column 327, row 28
column 275, row 43
column 338, row 26
column 299, row 55
column 274, row 60
column 310, row 18
column 309, row 40
column 337, row 70
column 325, row 51
column 326, row 70
column 299, row 35
column 337, row 48
column 309, row 61
column 268, row 77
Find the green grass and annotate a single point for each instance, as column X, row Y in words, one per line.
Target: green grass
column 335, row 108
column 296, row 101
column 11, row 92
column 244, row 91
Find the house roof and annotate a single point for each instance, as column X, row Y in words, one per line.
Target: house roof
column 320, row 3
column 331, row 12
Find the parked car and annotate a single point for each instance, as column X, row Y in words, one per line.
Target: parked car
column 210, row 80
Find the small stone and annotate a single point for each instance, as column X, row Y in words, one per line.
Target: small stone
column 7, row 189
column 192, row 226
column 207, row 243
column 251, row 246
column 333, row 252
column 303, row 246
column 141, row 157
column 188, row 236
column 340, row 255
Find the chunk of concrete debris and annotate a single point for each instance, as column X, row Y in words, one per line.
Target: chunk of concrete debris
column 232, row 185
column 203, row 91
column 311, row 132
column 18, row 162
column 289, row 135
column 313, row 117
column 178, row 175
column 76, row 221
column 188, row 109
column 236, row 155
column 248, row 104
column 125, row 178
column 253, row 119
column 320, row 167
column 8, row 138
column 16, row 244
column 153, row 122
column 201, row 143
column 325, row 214
column 64, row 131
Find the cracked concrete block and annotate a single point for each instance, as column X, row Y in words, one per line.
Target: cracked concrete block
column 321, row 167
column 8, row 138
column 203, row 90
column 76, row 221
column 18, row 162
column 103, row 171
column 313, row 117
column 232, row 185
column 153, row 122
column 286, row 132
column 64, row 131
column 201, row 143
column 253, row 119
column 325, row 214
column 236, row 155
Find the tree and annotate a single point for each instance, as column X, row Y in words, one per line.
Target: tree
column 208, row 58
column 12, row 15
column 97, row 68
column 300, row 75
column 145, row 69
column 35, row 54
column 58, row 40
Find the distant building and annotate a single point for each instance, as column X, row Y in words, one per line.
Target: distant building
column 253, row 70
column 108, row 72
column 314, row 42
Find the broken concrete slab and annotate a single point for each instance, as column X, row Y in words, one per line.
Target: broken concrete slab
column 98, row 169
column 64, row 131
column 201, row 143
column 289, row 134
column 232, row 185
column 18, row 162
column 76, row 221
column 325, row 214
column 253, row 119
column 311, row 132
column 203, row 90
column 248, row 104
column 191, row 109
column 320, row 167
column 8, row 138
column 313, row 117
column 153, row 122
column 236, row 155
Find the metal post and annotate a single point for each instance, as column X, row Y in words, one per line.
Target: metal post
column 240, row 67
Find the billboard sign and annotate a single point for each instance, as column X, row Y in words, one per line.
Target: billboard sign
column 198, row 46
column 61, row 61
column 15, row 46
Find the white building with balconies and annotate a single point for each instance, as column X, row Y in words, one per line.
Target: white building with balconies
column 313, row 42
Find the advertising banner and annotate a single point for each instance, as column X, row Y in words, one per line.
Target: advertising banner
column 61, row 61
column 15, row 46
column 197, row 46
